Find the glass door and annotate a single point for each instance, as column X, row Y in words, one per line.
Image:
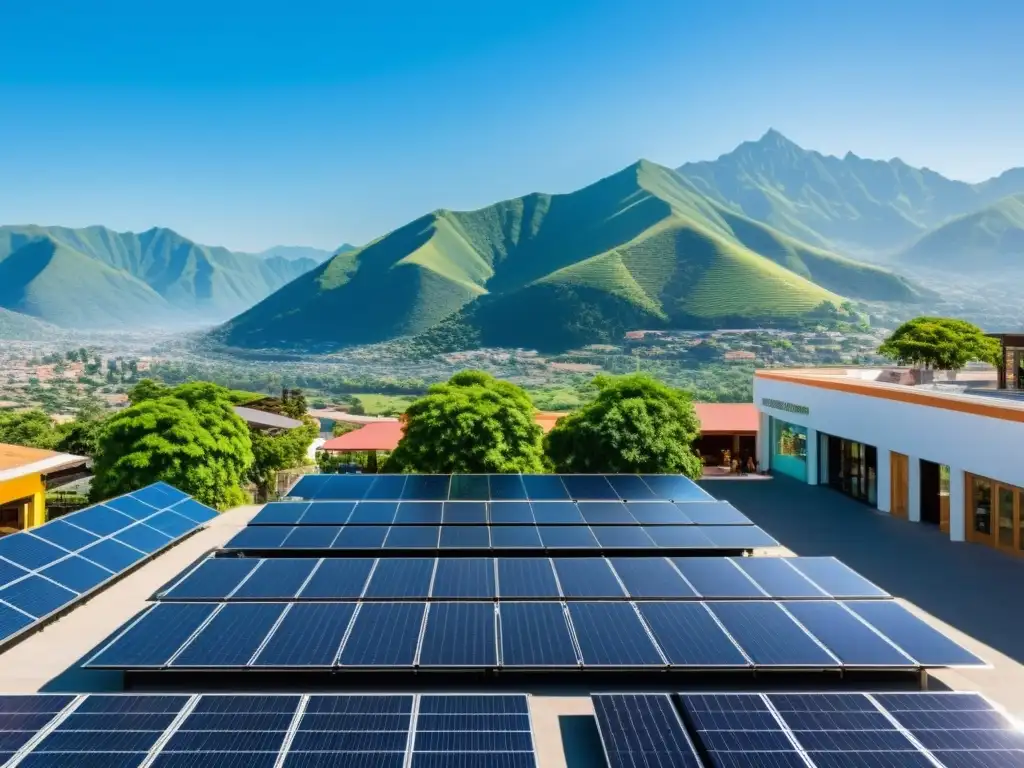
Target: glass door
column 980, row 500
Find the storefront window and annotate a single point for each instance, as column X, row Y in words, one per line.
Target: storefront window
column 852, row 468
column 789, row 449
column 981, row 500
column 1005, row 530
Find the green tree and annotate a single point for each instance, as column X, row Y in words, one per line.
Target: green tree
column 189, row 438
column 273, row 453
column 636, row 424
column 146, row 389
column 295, row 405
column 471, row 423
column 32, row 429
column 941, row 343
column 81, row 436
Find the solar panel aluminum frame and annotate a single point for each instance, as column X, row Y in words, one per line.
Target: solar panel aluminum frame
column 541, row 667
column 40, row 621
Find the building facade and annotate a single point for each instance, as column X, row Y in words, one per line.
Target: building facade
column 25, row 475
column 945, row 459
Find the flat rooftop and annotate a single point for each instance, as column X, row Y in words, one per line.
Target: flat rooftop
column 18, row 461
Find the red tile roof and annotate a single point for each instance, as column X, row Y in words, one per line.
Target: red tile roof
column 727, row 418
column 378, row 436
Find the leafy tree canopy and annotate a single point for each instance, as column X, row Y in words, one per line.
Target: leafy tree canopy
column 942, row 343
column 635, row 425
column 33, row 429
column 471, row 423
column 80, row 437
column 272, row 453
column 147, row 389
column 189, row 437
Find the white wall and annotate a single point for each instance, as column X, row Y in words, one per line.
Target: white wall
column 966, row 442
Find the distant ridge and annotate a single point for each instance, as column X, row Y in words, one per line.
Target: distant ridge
column 849, row 204
column 97, row 278
column 641, row 248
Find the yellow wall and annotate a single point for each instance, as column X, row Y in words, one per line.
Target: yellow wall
column 30, row 486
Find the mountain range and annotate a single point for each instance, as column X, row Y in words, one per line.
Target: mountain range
column 643, row 248
column 849, row 204
column 97, row 278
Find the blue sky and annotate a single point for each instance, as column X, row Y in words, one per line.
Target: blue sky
column 248, row 124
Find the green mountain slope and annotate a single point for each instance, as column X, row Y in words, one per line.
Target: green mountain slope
column 641, row 248
column 97, row 278
column 14, row 325
column 848, row 203
column 989, row 239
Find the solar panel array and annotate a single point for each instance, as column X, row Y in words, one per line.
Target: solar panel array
column 401, row 631
column 826, row 730
column 47, row 568
column 263, row 731
column 264, row 539
column 506, row 487
column 520, row 578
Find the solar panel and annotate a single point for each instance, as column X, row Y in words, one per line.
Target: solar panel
column 259, row 537
column 605, row 513
column 215, row 578
column 545, row 488
column 338, row 578
column 280, row 513
column 473, row 732
column 622, row 537
column 631, row 488
column 384, row 635
column 412, row 537
column 689, row 636
column 769, row 636
column 912, row 635
column 352, row 731
column 419, row 513
column 386, row 487
column 65, row 535
column 76, row 574
column 143, row 538
column 713, row 577
column 111, row 554
column 426, row 488
column 507, row 488
column 556, row 513
column 404, row 578
column 465, row 536
column 464, row 577
column 464, row 512
column 675, row 488
column 339, row 512
column 276, row 578
column 536, row 635
column 311, row 537
column 777, row 578
column 511, row 513
column 836, row 578
column 361, row 537
column 459, row 635
column 650, row 577
column 526, row 577
column 611, row 635
column 515, row 537
column 310, row 635
column 679, row 537
column 739, row 729
column 567, row 537
column 589, row 487
column 738, row 536
column 153, row 638
column 587, row 577
column 469, row 488
column 657, row 513
column 642, row 730
column 850, row 640
column 246, row 624
column 713, row 513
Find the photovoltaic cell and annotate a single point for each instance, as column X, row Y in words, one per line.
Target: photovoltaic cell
column 65, row 535
column 921, row 642
column 556, row 513
column 386, row 487
column 545, row 488
column 311, row 537
column 642, row 730
column 131, row 506
column 506, row 488
column 462, row 512
column 337, row 512
column 587, row 577
column 309, row 636
column 527, row 577
column 11, row 620
column 769, row 636
column 37, row 596
column 465, row 536
column 412, row 537
column 631, row 488
column 738, row 536
column 28, row 551
column 140, row 536
column 675, row 488
column 75, row 574
column 459, row 635
column 469, row 487
column 651, row 577
column 244, row 624
column 280, row 513
column 215, row 578
column 408, row 577
column 679, row 537
column 605, row 513
column 464, row 577
column 384, row 635
column 567, row 537
column 535, row 635
column 153, row 639
column 611, row 634
column 419, row 513
column 848, row 638
column 589, row 487
column 361, row 537
column 515, row 537
column 836, row 578
column 622, row 537
column 657, row 513
column 689, row 636
column 511, row 513
column 192, row 510
column 777, row 578
column 276, row 579
column 426, row 488
column 338, row 578
column 713, row 513
column 344, row 487
column 99, row 520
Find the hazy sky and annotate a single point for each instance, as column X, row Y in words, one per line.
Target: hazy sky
column 248, row 124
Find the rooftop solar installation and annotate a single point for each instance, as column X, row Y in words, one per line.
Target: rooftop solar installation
column 262, row 731
column 402, row 629
column 236, row 579
column 728, row 539
column 523, row 512
column 48, row 568
column 639, row 729
column 498, row 488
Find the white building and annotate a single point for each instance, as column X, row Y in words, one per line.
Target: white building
column 951, row 459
